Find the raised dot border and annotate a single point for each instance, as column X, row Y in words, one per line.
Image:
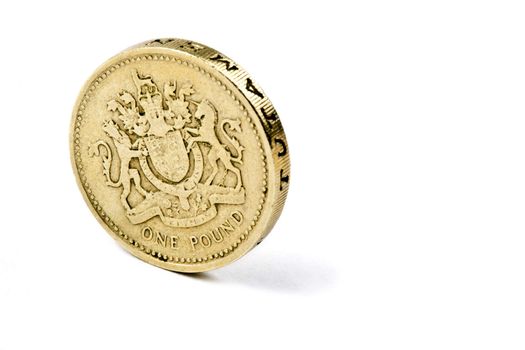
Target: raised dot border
column 112, row 225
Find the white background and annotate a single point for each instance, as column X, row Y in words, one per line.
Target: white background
column 404, row 227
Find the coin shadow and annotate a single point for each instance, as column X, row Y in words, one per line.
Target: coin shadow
column 283, row 273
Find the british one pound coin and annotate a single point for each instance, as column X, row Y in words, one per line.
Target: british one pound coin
column 180, row 155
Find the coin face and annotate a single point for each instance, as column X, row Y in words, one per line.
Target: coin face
column 180, row 155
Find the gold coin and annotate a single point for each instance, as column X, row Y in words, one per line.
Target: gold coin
column 180, row 155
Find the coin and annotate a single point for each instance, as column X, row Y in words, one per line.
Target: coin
column 180, row 155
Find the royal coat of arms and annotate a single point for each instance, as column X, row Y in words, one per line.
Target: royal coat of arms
column 161, row 143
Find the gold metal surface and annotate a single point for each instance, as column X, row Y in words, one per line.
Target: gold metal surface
column 180, row 155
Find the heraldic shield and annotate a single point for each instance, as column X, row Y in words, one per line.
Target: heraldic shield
column 168, row 155
column 165, row 142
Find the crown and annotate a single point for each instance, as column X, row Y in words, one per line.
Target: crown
column 148, row 94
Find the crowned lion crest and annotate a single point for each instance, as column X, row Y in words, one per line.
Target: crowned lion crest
column 165, row 141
